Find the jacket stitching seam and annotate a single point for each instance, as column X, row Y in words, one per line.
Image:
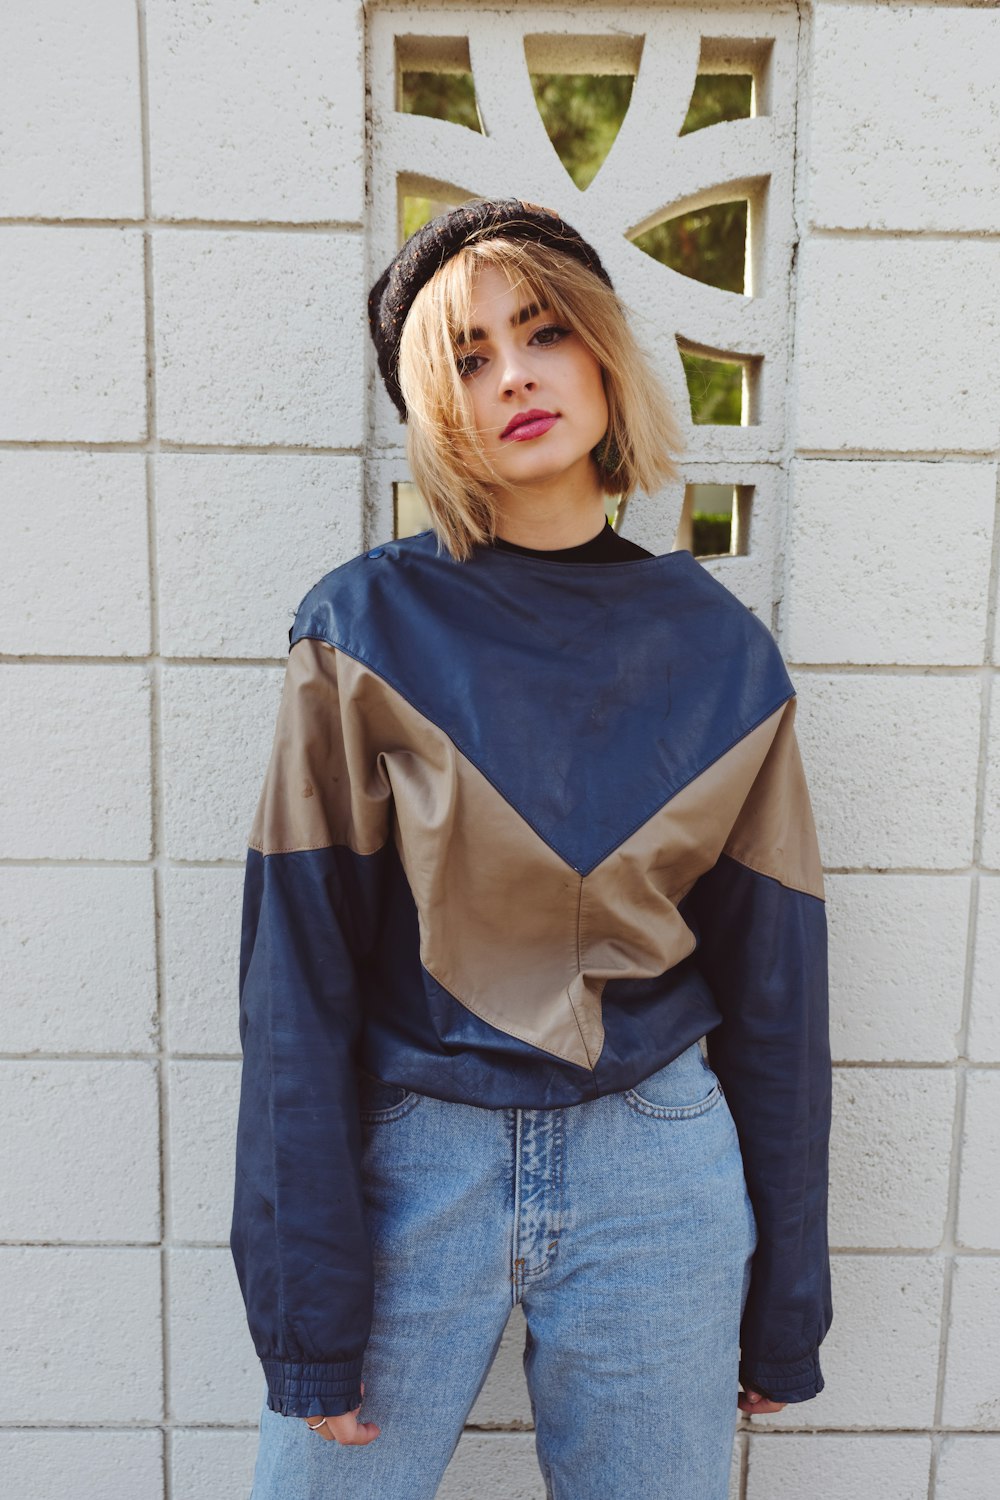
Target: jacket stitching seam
column 311, row 848
column 694, row 776
column 766, row 874
column 579, row 970
column 507, row 1030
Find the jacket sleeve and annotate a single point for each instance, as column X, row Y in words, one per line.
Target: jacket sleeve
column 760, row 919
column 299, row 1236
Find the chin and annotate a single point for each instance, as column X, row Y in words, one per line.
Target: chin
column 537, row 466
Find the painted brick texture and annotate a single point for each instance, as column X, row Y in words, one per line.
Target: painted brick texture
column 194, row 199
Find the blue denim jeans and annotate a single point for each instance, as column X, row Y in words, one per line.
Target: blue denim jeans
column 623, row 1227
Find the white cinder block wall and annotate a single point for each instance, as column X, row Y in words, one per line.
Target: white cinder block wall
column 191, row 211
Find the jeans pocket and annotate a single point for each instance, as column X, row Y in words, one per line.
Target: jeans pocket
column 381, row 1101
column 682, row 1089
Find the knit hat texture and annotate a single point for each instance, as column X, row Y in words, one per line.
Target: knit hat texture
column 391, row 298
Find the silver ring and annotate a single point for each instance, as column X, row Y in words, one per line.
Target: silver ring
column 319, row 1424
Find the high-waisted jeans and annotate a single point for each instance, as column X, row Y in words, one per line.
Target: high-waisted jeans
column 623, row 1227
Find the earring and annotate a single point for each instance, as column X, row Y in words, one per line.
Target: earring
column 606, row 455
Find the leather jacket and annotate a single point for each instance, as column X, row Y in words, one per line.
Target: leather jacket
column 529, row 829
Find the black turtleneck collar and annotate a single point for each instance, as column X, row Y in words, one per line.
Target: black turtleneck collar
column 606, row 546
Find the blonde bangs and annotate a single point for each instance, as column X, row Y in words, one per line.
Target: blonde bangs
column 445, row 455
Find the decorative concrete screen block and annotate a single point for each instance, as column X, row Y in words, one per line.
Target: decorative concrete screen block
column 72, row 335
column 897, row 342
column 851, row 1465
column 74, row 536
column 82, row 1331
column 87, row 1465
column 971, row 1389
column 204, row 1102
column 984, row 1022
column 857, row 593
column 891, row 762
column 76, row 781
column 70, row 115
column 753, row 577
column 215, row 1375
column 67, row 985
column 897, row 947
column 930, row 66
column 81, row 1158
column 880, row 1358
column 256, row 342
column 201, row 940
column 263, row 528
column 256, row 111
column 650, row 175
column 889, row 1157
column 978, row 1200
column 218, row 727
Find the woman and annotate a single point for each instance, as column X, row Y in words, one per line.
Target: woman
column 534, row 826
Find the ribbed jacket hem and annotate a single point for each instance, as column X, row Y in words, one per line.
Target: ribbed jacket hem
column 313, row 1390
column 795, row 1380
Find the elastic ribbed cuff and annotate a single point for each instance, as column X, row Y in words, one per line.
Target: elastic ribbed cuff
column 795, row 1380
column 314, row 1390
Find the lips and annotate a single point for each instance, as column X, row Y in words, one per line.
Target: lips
column 531, row 423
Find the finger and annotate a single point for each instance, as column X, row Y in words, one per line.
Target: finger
column 753, row 1403
column 346, row 1429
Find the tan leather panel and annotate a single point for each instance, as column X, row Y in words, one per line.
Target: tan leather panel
column 630, row 928
column 502, row 944
column 775, row 833
column 530, row 955
column 321, row 787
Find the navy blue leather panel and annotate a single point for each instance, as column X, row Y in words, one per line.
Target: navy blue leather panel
column 298, row 1236
column 692, row 672
column 763, row 950
column 649, row 1022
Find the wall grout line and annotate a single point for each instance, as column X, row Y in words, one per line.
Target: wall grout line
column 149, row 221
column 150, row 448
column 786, row 482
column 961, row 1090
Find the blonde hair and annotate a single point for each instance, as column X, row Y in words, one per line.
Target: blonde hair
column 443, row 447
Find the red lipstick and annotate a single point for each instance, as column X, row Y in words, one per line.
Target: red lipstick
column 529, row 424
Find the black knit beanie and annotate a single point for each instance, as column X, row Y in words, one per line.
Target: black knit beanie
column 391, row 298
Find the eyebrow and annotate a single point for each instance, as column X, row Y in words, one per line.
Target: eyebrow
column 522, row 316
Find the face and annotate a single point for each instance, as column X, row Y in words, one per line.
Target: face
column 533, row 363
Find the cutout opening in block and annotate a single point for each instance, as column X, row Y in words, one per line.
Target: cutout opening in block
column 723, row 386
column 434, row 78
column 419, row 199
column 582, row 87
column 733, row 81
column 708, row 243
column 715, row 520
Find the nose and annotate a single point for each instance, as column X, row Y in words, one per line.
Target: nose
column 514, row 373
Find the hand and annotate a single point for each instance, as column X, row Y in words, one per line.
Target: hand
column 346, row 1428
column 755, row 1404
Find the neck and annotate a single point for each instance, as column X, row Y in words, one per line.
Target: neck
column 563, row 512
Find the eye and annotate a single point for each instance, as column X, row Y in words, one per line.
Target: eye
column 462, row 362
column 551, row 328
